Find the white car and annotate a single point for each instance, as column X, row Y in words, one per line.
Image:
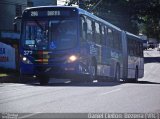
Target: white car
column 158, row 48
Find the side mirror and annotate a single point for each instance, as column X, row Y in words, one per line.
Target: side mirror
column 85, row 26
column 17, row 19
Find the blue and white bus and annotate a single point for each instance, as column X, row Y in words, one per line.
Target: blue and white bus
column 69, row 42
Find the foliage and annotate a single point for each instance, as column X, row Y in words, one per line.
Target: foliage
column 131, row 15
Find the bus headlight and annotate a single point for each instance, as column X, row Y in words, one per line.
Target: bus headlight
column 26, row 61
column 72, row 58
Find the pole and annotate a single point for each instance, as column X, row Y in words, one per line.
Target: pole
column 95, row 6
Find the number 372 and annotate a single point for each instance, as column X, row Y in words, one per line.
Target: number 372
column 26, row 52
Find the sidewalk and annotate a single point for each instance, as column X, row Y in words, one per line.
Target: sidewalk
column 8, row 78
column 8, row 75
column 13, row 78
column 152, row 53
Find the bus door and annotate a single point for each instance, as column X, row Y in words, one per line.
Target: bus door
column 124, row 55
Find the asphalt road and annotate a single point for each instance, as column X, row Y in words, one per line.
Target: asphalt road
column 99, row 97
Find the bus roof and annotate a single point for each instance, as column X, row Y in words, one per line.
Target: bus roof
column 132, row 35
column 84, row 12
column 50, row 6
column 81, row 11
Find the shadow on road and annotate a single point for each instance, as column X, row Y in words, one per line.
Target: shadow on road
column 151, row 59
column 81, row 84
column 146, row 82
column 97, row 84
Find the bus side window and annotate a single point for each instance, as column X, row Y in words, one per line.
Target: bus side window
column 110, row 38
column 141, row 49
column 106, row 37
column 133, row 47
column 103, row 36
column 97, row 33
column 89, row 30
column 120, row 41
column 83, row 29
column 129, row 45
column 93, row 30
column 116, row 41
column 137, row 47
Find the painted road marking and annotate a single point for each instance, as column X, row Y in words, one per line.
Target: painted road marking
column 116, row 90
column 29, row 115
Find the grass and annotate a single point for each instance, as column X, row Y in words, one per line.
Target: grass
column 8, row 75
column 3, row 75
column 6, row 72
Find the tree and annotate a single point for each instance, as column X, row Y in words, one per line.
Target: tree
column 131, row 15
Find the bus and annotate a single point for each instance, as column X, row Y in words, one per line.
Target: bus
column 135, row 62
column 69, row 42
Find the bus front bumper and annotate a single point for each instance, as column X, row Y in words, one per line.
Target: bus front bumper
column 68, row 70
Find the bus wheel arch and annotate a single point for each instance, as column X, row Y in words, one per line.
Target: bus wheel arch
column 135, row 78
column 43, row 79
column 92, row 68
column 136, row 74
column 117, row 73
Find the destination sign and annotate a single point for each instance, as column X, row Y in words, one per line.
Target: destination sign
column 49, row 13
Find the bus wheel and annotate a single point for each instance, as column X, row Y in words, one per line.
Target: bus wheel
column 20, row 78
column 117, row 74
column 136, row 75
column 92, row 67
column 43, row 80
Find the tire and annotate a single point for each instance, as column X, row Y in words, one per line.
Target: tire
column 104, row 79
column 77, row 79
column 117, row 74
column 20, row 78
column 134, row 80
column 136, row 75
column 92, row 68
column 43, row 80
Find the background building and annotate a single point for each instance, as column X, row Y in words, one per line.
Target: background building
column 9, row 9
column 31, row 3
column 9, row 32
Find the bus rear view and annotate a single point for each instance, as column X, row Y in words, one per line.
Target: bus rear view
column 48, row 42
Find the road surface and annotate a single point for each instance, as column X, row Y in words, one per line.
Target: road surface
column 99, row 97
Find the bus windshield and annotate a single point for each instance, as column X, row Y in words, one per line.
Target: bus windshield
column 53, row 34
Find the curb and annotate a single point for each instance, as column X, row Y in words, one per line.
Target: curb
column 9, row 79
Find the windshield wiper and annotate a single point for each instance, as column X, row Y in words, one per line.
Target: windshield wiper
column 41, row 27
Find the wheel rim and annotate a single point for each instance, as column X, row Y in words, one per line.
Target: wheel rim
column 117, row 75
column 43, row 80
column 92, row 71
column 136, row 75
